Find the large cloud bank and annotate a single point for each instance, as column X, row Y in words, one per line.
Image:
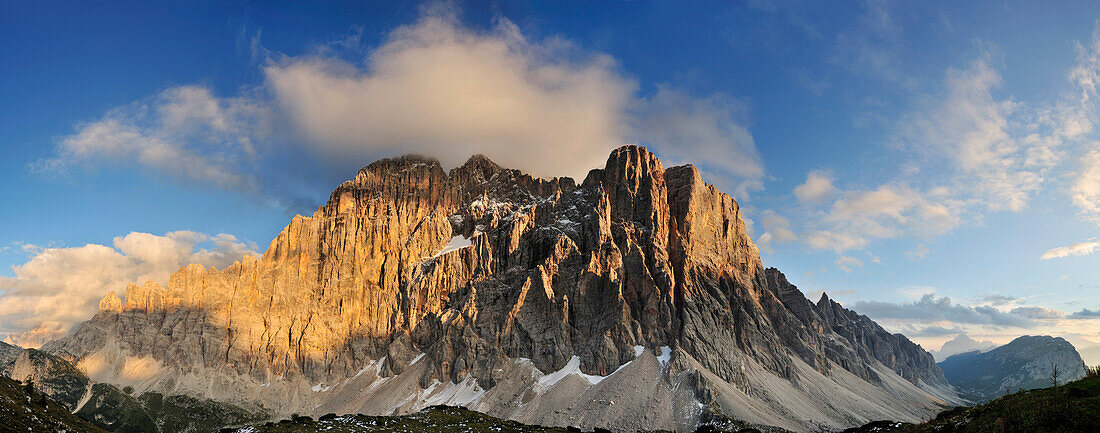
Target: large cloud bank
column 59, row 287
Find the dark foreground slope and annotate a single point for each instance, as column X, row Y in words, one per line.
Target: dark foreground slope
column 23, row 409
column 441, row 419
column 1074, row 407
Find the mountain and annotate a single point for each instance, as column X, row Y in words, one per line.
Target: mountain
column 52, row 375
column 1025, row 363
column 25, row 409
column 961, row 344
column 635, row 299
column 1070, row 408
column 1090, row 354
column 8, row 352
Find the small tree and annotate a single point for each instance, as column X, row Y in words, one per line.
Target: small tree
column 1053, row 373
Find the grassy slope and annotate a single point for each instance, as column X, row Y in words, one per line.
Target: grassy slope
column 1074, row 407
column 23, row 409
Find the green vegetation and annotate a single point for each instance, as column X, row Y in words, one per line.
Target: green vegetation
column 118, row 411
column 1073, row 407
column 25, row 409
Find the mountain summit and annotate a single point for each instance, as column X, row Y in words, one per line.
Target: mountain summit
column 635, row 299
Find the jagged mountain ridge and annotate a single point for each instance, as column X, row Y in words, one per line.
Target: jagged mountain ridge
column 494, row 278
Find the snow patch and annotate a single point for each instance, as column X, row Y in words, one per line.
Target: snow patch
column 666, row 355
column 457, row 243
column 455, row 394
column 638, row 351
column 572, row 367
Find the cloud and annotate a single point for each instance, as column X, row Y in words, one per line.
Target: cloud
column 440, row 89
column 918, row 252
column 1085, row 314
column 433, row 87
column 886, row 212
column 817, row 188
column 1037, row 313
column 1076, row 249
column 932, row 309
column 846, row 263
column 934, row 331
column 1078, row 117
column 776, row 230
column 59, row 287
column 839, row 242
column 1086, row 188
column 981, row 136
column 184, row 132
column 683, row 128
column 973, row 150
column 998, row 300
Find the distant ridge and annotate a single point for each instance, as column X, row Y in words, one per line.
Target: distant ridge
column 1024, row 363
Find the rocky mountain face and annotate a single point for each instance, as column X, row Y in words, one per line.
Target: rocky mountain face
column 635, row 299
column 1025, row 363
column 23, row 408
column 961, row 344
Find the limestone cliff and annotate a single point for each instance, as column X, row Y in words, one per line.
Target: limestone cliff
column 412, row 272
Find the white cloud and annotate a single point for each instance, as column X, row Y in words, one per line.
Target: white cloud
column 183, row 132
column 704, row 132
column 439, row 89
column 59, row 287
column 833, row 241
column 980, row 136
column 846, row 263
column 776, row 230
column 434, row 87
column 1086, row 188
column 919, row 252
column 817, row 188
column 889, row 211
column 1076, row 249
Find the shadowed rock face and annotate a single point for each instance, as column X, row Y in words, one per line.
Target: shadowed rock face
column 484, row 265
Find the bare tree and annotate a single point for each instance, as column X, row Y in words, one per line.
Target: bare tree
column 1053, row 373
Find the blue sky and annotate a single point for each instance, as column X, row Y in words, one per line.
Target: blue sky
column 917, row 161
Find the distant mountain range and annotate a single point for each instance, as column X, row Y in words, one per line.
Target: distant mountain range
column 1026, row 363
column 961, row 344
column 633, row 300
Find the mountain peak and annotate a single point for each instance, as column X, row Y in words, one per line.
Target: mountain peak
column 486, row 281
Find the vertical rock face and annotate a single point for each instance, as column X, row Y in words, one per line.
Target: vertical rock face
column 484, row 267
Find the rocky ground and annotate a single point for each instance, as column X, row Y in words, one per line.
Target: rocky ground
column 442, row 419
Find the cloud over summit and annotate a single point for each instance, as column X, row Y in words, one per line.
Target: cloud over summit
column 434, row 87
